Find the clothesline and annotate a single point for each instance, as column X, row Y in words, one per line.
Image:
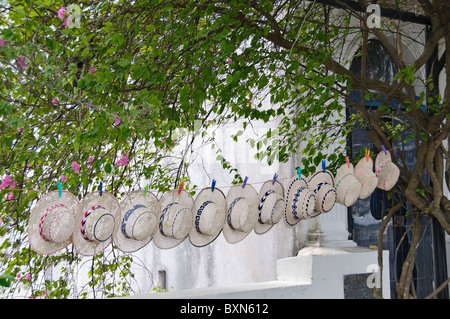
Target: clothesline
column 275, row 177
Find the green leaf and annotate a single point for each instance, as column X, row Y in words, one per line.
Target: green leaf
column 108, row 168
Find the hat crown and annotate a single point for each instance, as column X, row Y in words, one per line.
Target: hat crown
column 242, row 215
column 99, row 225
column 138, row 223
column 272, row 209
column 57, row 224
column 206, row 220
column 176, row 221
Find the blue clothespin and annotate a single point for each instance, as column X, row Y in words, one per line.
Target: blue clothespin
column 59, row 188
column 245, row 181
column 275, row 176
column 100, row 188
column 213, row 185
column 299, row 173
column 323, row 165
column 384, row 149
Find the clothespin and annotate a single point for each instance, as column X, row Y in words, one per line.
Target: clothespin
column 367, row 155
column 348, row 161
column 59, row 188
column 213, row 185
column 146, row 190
column 180, row 188
column 384, row 149
column 275, row 176
column 323, row 165
column 100, row 188
column 299, row 173
column 245, row 181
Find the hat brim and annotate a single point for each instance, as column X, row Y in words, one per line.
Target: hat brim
column 196, row 238
column 231, row 235
column 39, row 244
column 123, row 243
column 185, row 199
column 277, row 187
column 111, row 204
column 388, row 176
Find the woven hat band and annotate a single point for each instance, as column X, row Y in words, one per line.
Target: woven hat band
column 43, row 220
column 204, row 223
column 125, row 219
column 261, row 204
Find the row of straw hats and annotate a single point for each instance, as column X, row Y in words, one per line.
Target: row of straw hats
column 92, row 224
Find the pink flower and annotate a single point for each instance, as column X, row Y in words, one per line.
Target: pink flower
column 7, row 181
column 92, row 69
column 20, row 129
column 10, row 196
column 28, row 165
column 18, row 276
column 2, row 42
column 28, row 277
column 88, row 106
column 62, row 178
column 21, row 62
column 76, row 167
column 90, row 161
column 117, row 120
column 124, row 160
column 163, row 140
column 66, row 22
column 61, row 12
column 55, row 101
column 229, row 61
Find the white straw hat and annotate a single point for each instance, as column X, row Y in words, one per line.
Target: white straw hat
column 300, row 202
column 209, row 216
column 271, row 206
column 348, row 187
column 136, row 221
column 51, row 222
column 242, row 212
column 175, row 219
column 322, row 184
column 364, row 173
column 386, row 171
column 94, row 223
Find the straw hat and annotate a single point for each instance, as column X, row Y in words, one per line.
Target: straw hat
column 94, row 223
column 300, row 202
column 322, row 184
column 271, row 206
column 386, row 171
column 209, row 216
column 175, row 219
column 348, row 187
column 136, row 221
column 364, row 173
column 242, row 212
column 50, row 226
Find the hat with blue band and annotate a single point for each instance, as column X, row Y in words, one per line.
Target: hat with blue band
column 300, row 202
column 322, row 184
column 271, row 206
column 136, row 221
column 209, row 216
column 174, row 217
column 241, row 214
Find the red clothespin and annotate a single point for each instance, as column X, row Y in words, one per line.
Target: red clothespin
column 348, row 161
column 180, row 188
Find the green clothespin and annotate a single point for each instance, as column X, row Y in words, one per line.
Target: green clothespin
column 299, row 172
column 146, row 190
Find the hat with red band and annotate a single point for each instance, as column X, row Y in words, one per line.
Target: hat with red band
column 51, row 222
column 94, row 223
column 386, row 171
